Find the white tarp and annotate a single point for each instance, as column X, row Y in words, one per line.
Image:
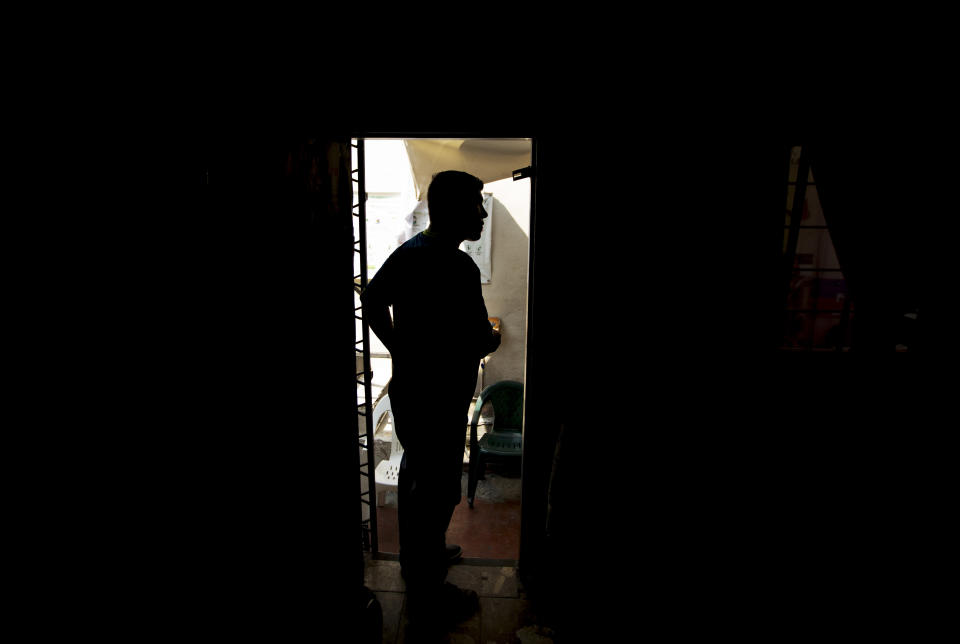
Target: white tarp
column 487, row 159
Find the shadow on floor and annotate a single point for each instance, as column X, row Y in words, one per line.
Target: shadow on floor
column 489, row 530
column 505, row 614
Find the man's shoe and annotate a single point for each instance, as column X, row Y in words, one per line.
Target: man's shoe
column 454, row 553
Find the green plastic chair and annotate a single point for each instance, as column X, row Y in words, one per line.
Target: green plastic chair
column 504, row 438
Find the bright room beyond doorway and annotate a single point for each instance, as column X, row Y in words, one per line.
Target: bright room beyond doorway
column 395, row 212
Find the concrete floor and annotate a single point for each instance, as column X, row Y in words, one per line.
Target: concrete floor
column 505, row 614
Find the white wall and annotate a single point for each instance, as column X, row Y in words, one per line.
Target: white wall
column 506, row 295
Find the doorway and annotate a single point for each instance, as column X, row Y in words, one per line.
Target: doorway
column 396, row 171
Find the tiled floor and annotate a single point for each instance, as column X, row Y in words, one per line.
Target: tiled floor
column 489, row 530
column 505, row 614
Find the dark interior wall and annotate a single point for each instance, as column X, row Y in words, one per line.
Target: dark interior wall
column 876, row 190
column 721, row 485
column 250, row 375
column 642, row 456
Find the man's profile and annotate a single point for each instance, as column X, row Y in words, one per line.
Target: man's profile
column 437, row 334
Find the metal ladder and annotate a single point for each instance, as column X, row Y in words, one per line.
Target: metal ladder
column 365, row 407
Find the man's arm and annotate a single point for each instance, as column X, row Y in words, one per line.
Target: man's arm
column 376, row 300
column 482, row 333
column 489, row 338
column 380, row 322
column 492, row 343
column 377, row 312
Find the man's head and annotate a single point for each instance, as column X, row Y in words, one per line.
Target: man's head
column 456, row 205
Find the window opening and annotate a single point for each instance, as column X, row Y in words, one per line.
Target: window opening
column 819, row 311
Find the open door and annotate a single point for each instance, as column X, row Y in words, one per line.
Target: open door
column 395, row 171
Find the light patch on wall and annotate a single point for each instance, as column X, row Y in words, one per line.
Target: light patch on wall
column 508, row 190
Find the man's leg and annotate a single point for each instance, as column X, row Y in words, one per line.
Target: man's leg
column 413, row 530
column 423, row 516
column 428, row 486
column 428, row 492
column 430, row 598
column 404, row 510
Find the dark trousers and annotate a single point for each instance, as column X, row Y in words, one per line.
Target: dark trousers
column 428, row 488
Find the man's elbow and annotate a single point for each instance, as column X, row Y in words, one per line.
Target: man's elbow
column 370, row 302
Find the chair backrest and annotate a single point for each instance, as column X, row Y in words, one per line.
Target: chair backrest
column 506, row 397
column 383, row 407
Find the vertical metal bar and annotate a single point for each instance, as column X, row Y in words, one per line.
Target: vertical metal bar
column 531, row 498
column 796, row 214
column 365, row 330
column 785, row 302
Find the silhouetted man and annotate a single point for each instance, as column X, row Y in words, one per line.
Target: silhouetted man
column 437, row 335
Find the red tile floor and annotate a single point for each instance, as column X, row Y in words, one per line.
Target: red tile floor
column 489, row 530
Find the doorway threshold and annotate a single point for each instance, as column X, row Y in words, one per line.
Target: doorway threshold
column 466, row 561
